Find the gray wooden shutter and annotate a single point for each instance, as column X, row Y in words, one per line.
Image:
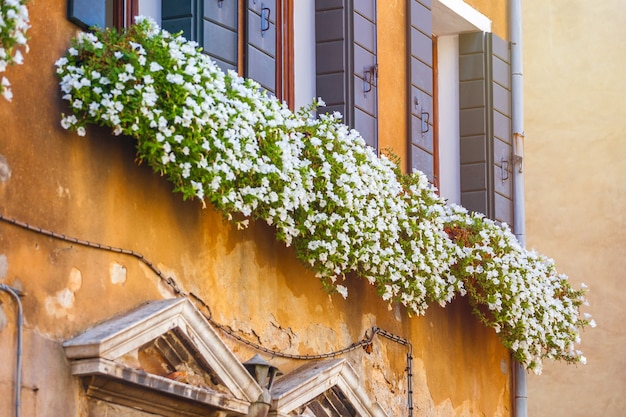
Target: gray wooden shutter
column 260, row 62
column 331, row 51
column 220, row 36
column 180, row 15
column 421, row 88
column 365, row 70
column 485, row 125
column 346, row 62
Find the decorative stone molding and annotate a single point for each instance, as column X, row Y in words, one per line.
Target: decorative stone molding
column 163, row 336
column 165, row 358
column 322, row 388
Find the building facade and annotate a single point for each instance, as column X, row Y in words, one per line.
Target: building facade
column 138, row 303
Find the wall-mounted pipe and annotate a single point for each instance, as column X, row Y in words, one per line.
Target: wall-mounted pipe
column 18, row 360
column 519, row 214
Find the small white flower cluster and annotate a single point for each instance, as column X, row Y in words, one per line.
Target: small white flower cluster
column 518, row 292
column 220, row 138
column 14, row 24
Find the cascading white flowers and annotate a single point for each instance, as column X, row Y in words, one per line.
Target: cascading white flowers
column 221, row 139
column 14, row 23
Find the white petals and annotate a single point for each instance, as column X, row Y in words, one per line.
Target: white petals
column 14, row 23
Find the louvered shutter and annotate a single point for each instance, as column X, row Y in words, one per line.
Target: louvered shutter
column 220, row 37
column 421, row 88
column 180, row 15
column 485, row 125
column 346, row 62
column 261, row 42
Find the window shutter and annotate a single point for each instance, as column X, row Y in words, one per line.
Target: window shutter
column 180, row 15
column 485, row 125
column 346, row 62
column 220, row 38
column 421, row 88
column 261, row 42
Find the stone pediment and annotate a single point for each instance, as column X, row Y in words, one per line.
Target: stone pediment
column 165, row 358
column 328, row 388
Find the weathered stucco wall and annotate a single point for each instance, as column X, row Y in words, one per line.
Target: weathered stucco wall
column 497, row 11
column 575, row 189
column 91, row 188
column 392, row 77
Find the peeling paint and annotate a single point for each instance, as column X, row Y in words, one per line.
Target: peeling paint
column 117, row 272
column 63, row 191
column 65, row 297
column 504, row 366
column 3, row 318
column 4, row 266
column 59, row 304
column 75, row 281
column 5, row 171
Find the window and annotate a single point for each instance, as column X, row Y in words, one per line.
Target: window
column 252, row 37
column 102, row 13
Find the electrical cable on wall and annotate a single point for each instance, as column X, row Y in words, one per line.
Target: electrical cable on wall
column 365, row 343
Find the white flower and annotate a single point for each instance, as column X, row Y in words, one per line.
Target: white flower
column 342, row 290
column 13, row 27
column 7, row 93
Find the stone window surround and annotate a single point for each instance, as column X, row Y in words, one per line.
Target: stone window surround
column 96, row 356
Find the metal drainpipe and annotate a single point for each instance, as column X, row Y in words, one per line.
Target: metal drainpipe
column 18, row 367
column 519, row 221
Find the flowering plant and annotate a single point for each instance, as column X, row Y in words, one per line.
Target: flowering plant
column 221, row 138
column 13, row 27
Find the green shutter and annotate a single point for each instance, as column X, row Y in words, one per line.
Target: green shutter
column 346, row 62
column 421, row 87
column 485, row 125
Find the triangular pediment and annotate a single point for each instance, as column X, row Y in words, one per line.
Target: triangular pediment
column 168, row 348
column 323, row 388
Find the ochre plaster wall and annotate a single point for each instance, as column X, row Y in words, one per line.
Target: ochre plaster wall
column 91, row 188
column 497, row 11
column 575, row 186
column 392, row 77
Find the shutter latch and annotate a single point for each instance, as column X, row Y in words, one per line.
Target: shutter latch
column 265, row 19
column 369, row 78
